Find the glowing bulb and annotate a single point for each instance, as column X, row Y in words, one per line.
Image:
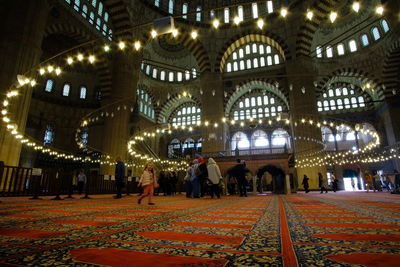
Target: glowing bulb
column 215, row 23
column 80, row 57
column 284, row 12
column 121, row 45
column 236, row 20
column 260, row 23
column 153, row 34
column 50, row 68
column 310, row 15
column 333, row 16
column 379, row 10
column 106, row 48
column 175, row 32
column 92, row 59
column 42, row 71
column 70, row 60
column 137, row 45
column 356, row 6
column 58, row 71
column 194, row 34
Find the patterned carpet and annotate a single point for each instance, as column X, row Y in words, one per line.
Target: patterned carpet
column 312, row 229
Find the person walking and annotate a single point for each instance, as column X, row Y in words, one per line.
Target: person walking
column 305, row 183
column 369, row 181
column 239, row 171
column 322, row 183
column 214, row 175
column 335, row 182
column 202, row 175
column 119, row 176
column 148, row 181
column 194, row 180
column 81, row 181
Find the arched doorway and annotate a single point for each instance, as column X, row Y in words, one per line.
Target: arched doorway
column 276, row 185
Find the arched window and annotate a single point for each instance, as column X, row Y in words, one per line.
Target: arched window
column 82, row 92
column 174, row 148
column 375, row 33
column 171, row 7
column 155, row 73
column 259, row 139
column 329, row 51
column 48, row 135
column 162, row 76
column 91, row 17
column 341, row 98
column 254, row 9
column 145, row 104
column 66, row 89
column 270, row 6
column 318, row 51
column 240, row 13
column 240, row 141
column 77, row 4
column 185, row 115
column 198, row 13
column 280, row 138
column 235, row 66
column 100, row 10
column 229, row 67
column 364, row 40
column 194, row 73
column 184, row 10
column 340, row 49
column 171, row 76
column 189, row 143
column 352, row 45
column 226, row 15
column 157, row 3
column 248, row 57
column 385, row 26
column 49, row 86
column 84, row 11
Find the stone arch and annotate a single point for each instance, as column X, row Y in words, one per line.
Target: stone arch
column 391, row 70
column 278, row 177
column 321, row 9
column 248, row 37
column 352, row 76
column 174, row 102
column 247, row 86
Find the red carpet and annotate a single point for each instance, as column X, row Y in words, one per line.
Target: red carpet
column 339, row 218
column 28, row 233
column 354, row 225
column 361, row 237
column 119, row 216
column 22, row 215
column 122, row 258
column 227, row 218
column 215, row 225
column 79, row 222
column 202, row 238
column 368, row 259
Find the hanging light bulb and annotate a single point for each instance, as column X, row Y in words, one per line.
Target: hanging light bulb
column 137, row 45
column 310, row 15
column 236, row 20
column 215, row 23
column 194, row 34
column 284, row 12
column 58, row 71
column 175, row 32
column 121, row 45
column 303, row 90
column 333, row 16
column 79, row 57
column 92, row 59
column 70, row 60
column 260, row 23
column 153, row 33
column 379, row 10
column 106, row 48
column 356, row 6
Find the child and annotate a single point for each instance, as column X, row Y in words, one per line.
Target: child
column 148, row 181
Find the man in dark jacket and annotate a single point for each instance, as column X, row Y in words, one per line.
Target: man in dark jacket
column 239, row 171
column 202, row 175
column 119, row 176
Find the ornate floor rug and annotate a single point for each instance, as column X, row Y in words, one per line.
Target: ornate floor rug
column 342, row 229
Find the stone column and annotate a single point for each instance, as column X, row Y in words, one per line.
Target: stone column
column 22, row 29
column 212, row 100
column 301, row 74
column 125, row 76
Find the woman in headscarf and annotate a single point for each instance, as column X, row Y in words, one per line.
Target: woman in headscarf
column 214, row 175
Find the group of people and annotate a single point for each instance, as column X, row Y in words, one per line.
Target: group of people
column 373, row 181
column 322, row 183
column 203, row 177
